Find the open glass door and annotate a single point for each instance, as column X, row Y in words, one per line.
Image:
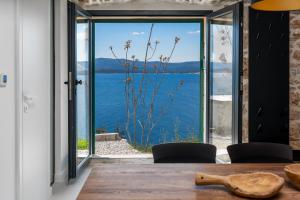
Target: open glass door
column 224, row 73
column 79, row 82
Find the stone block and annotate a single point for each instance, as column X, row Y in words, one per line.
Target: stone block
column 107, row 137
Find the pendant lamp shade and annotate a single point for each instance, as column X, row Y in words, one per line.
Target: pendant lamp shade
column 276, row 5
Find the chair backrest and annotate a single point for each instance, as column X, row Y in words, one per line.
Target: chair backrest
column 260, row 153
column 184, row 153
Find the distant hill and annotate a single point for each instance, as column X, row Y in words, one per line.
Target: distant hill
column 108, row 65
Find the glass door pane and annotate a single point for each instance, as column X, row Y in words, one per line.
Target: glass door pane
column 82, row 87
column 221, row 68
column 224, row 78
column 79, row 67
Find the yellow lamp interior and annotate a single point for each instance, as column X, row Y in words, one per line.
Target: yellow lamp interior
column 277, row 5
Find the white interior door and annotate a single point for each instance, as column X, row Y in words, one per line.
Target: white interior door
column 36, row 118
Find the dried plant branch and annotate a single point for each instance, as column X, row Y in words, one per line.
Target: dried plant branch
column 136, row 99
column 154, row 51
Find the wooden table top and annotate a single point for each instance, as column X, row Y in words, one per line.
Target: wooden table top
column 169, row 182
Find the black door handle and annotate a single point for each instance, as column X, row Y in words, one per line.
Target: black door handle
column 78, row 82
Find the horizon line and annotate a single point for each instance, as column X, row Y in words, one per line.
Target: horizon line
column 147, row 61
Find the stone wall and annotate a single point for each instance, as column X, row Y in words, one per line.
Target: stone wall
column 245, row 121
column 295, row 80
column 154, row 4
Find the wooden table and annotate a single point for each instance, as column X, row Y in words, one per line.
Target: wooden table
column 169, row 181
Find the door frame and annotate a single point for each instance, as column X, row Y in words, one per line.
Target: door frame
column 155, row 19
column 159, row 15
column 237, row 73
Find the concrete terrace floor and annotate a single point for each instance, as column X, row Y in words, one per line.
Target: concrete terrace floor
column 121, row 149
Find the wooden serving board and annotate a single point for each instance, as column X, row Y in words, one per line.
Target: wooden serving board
column 253, row 185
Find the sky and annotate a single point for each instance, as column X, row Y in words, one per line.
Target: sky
column 116, row 34
column 221, row 43
column 82, row 42
column 188, row 48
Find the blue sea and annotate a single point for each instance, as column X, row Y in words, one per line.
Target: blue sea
column 176, row 110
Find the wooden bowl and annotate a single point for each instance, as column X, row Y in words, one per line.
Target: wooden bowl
column 256, row 185
column 293, row 173
column 253, row 185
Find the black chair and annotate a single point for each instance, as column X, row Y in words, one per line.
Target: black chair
column 184, row 153
column 260, row 153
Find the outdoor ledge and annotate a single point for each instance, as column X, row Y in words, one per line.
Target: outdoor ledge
column 226, row 98
column 107, row 137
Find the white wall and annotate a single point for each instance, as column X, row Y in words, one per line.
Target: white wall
column 7, row 99
column 61, row 92
column 25, row 137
